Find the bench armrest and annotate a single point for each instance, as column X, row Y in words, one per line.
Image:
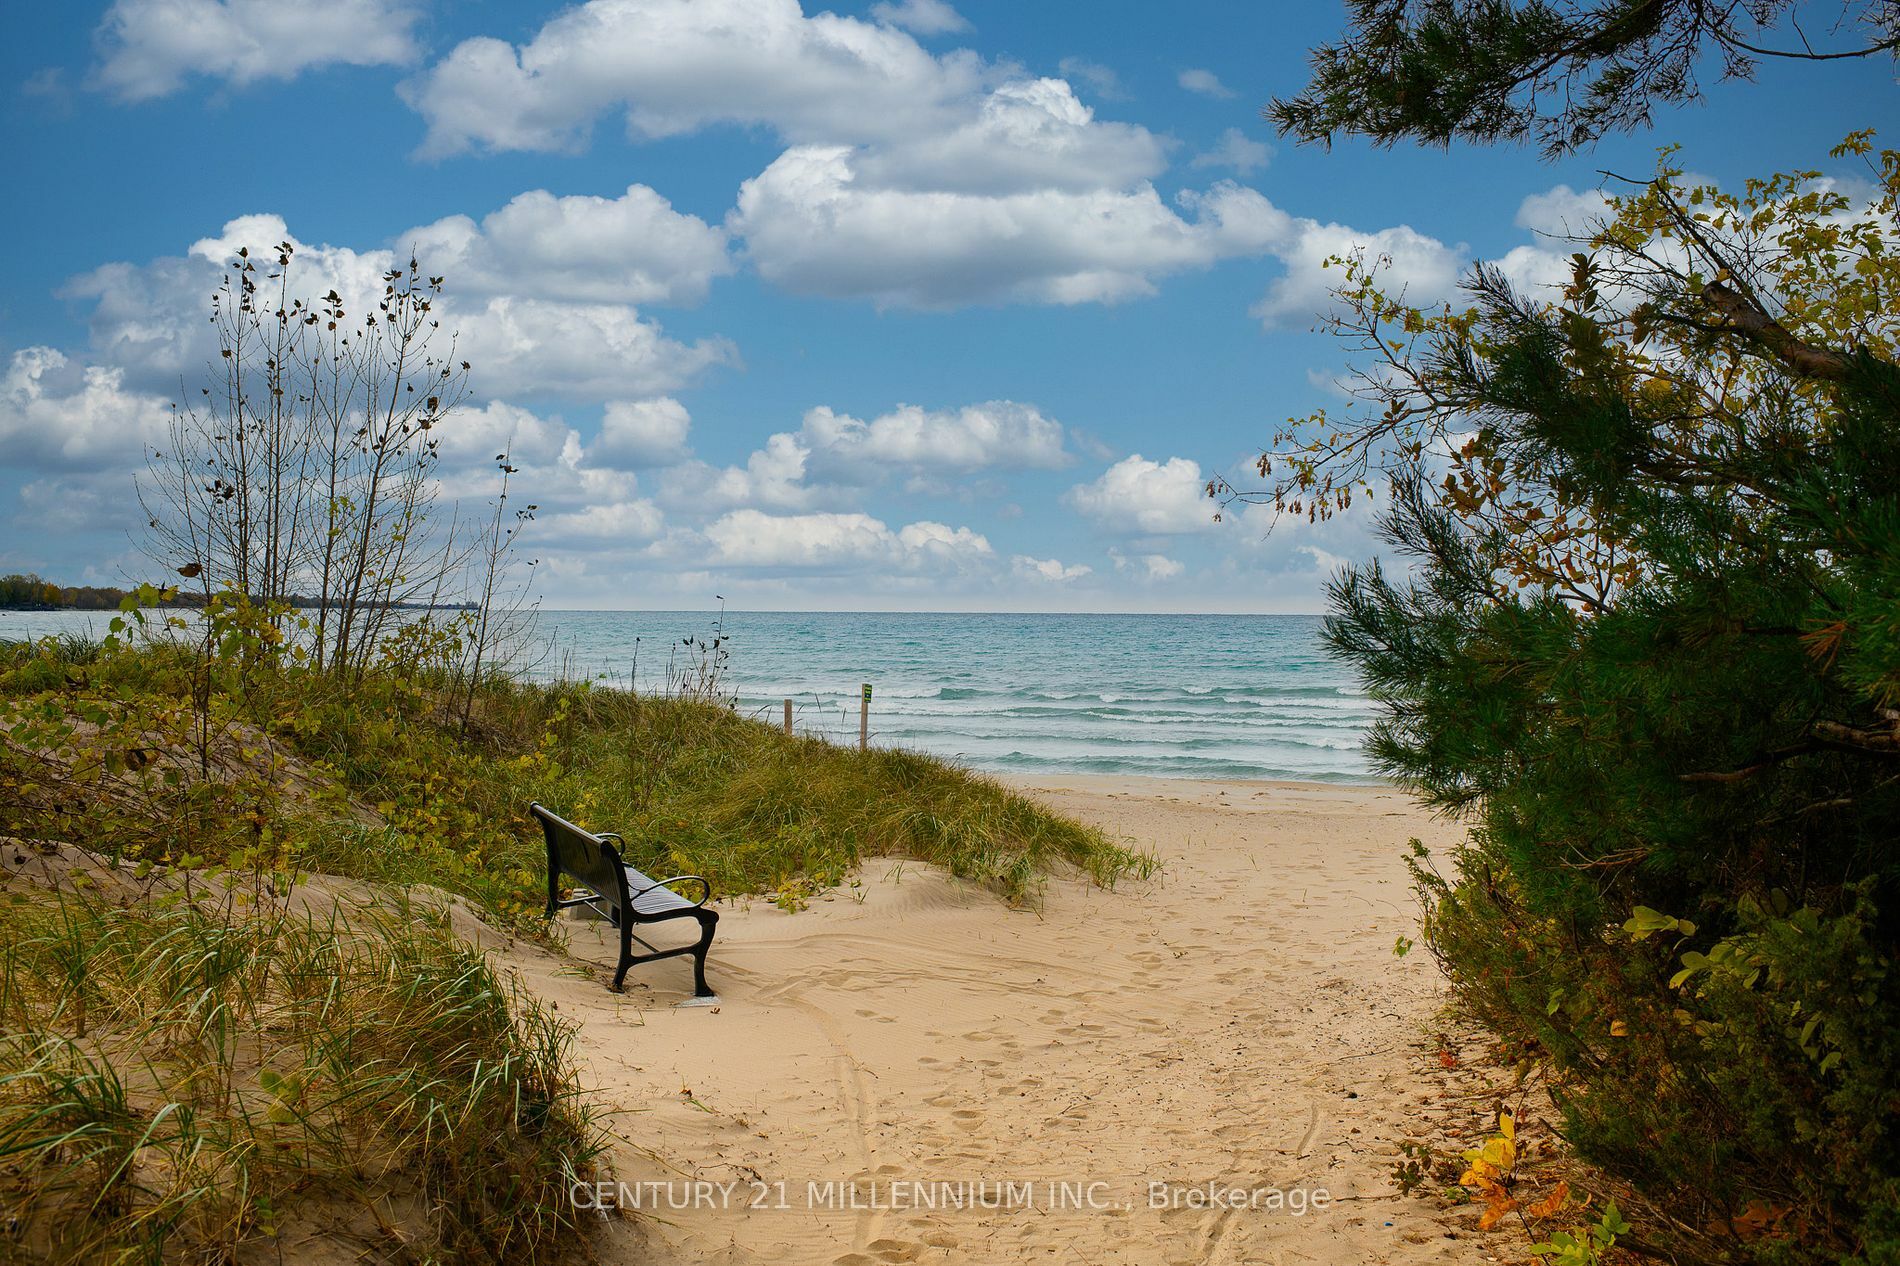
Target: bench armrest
column 705, row 887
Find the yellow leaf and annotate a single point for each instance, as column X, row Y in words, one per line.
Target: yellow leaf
column 1554, row 1202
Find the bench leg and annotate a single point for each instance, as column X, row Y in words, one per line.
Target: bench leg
column 626, row 953
column 708, row 922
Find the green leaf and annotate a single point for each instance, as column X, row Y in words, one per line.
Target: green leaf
column 1643, row 921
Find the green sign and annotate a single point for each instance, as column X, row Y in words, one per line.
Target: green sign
column 867, row 692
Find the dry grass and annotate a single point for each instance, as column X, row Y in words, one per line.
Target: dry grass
column 206, row 1076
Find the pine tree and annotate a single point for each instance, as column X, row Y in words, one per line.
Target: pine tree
column 1561, row 73
column 1648, row 640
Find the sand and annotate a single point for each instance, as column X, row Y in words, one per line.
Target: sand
column 1240, row 1021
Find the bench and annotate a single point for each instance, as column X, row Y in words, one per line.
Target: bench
column 622, row 895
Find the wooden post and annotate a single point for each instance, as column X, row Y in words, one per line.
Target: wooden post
column 864, row 719
column 788, row 716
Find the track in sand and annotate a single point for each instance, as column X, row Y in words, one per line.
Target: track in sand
column 1239, row 1021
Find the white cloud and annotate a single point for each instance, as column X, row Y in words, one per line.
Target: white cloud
column 926, row 17
column 581, row 350
column 1030, row 134
column 910, row 179
column 1206, row 83
column 812, row 227
column 635, row 434
column 833, row 453
column 1237, row 152
column 58, row 415
column 150, row 320
column 474, row 436
column 149, row 47
column 938, row 543
column 628, row 522
column 630, row 249
column 1422, row 269
column 750, row 538
column 1146, row 498
column 1411, row 264
column 677, row 65
column 773, row 476
column 1102, row 80
column 1147, row 567
column 998, row 434
column 1048, row 570
column 1324, row 560
column 1563, row 211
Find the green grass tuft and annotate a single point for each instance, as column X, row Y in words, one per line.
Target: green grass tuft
column 206, row 1078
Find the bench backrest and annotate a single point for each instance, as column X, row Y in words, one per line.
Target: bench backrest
column 586, row 857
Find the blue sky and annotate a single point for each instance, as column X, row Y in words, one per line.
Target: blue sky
column 902, row 305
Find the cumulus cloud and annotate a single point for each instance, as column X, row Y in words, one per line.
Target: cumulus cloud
column 812, row 227
column 1047, row 570
column 1206, row 83
column 1237, row 152
column 641, row 433
column 677, row 65
column 149, row 47
column 751, row 538
column 582, row 350
column 833, row 453
column 998, row 434
column 1144, row 498
column 1029, row 198
column 58, row 415
column 630, row 249
column 1025, row 135
column 926, row 17
column 773, row 476
column 629, row 522
column 1147, row 567
column 909, row 179
column 1420, row 267
column 474, row 436
column 1564, row 212
column 149, row 320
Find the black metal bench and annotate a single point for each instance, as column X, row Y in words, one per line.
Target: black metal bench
column 622, row 895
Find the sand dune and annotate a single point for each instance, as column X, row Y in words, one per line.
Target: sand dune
column 1239, row 1021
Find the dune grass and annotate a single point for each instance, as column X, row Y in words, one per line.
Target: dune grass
column 390, row 786
column 693, row 787
column 183, row 1080
column 697, row 789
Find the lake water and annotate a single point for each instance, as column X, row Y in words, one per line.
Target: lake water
column 1171, row 695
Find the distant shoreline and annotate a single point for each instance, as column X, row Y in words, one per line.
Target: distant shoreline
column 184, row 602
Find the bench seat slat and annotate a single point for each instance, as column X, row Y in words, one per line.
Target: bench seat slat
column 654, row 900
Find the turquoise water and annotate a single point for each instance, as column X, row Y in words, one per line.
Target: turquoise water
column 1169, row 695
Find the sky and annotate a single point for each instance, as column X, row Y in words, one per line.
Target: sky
column 907, row 305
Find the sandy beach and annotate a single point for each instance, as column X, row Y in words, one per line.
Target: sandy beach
column 1236, row 1030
